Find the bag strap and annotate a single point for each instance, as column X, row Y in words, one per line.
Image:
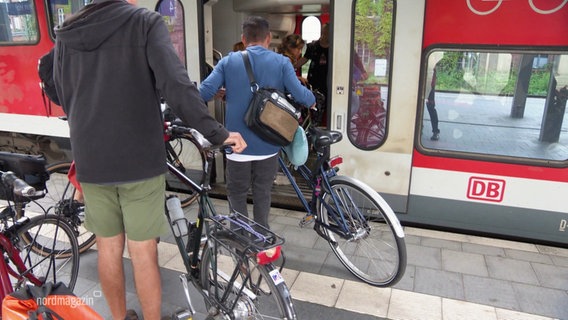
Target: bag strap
column 246, row 59
column 41, row 293
column 46, row 102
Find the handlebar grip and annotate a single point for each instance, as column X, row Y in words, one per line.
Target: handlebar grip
column 19, row 186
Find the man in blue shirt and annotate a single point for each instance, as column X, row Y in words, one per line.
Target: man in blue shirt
column 256, row 166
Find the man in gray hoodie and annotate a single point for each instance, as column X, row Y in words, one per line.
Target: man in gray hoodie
column 113, row 62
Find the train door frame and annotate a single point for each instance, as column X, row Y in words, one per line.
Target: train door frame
column 388, row 170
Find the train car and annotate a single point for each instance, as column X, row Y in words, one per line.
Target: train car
column 452, row 109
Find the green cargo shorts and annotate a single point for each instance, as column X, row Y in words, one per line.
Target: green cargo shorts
column 137, row 209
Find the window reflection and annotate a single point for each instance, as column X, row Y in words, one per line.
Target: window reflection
column 172, row 12
column 61, row 10
column 18, row 22
column 497, row 103
column 370, row 69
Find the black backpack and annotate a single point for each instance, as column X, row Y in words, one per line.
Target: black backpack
column 45, row 72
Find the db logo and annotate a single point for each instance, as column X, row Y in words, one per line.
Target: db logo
column 485, row 189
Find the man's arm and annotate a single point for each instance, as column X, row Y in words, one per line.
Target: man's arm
column 175, row 86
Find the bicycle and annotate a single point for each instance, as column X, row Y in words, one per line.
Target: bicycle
column 359, row 225
column 228, row 258
column 35, row 250
column 188, row 156
column 60, row 199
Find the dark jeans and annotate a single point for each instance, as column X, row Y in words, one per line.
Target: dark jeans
column 431, row 105
column 259, row 175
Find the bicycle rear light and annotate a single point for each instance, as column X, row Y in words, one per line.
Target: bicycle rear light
column 167, row 136
column 269, row 255
column 335, row 161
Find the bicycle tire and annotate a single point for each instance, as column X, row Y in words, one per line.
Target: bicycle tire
column 49, row 250
column 261, row 282
column 378, row 255
column 186, row 155
column 59, row 200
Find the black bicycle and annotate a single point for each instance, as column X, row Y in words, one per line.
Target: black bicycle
column 62, row 198
column 228, row 257
column 359, row 225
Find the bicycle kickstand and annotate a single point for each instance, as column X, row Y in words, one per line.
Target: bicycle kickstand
column 185, row 314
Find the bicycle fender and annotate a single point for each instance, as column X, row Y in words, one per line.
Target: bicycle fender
column 377, row 198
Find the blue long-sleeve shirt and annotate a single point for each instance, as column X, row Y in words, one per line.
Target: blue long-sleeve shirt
column 270, row 70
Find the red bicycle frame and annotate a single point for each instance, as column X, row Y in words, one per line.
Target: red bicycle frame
column 6, row 270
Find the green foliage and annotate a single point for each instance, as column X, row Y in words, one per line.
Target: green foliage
column 31, row 28
column 373, row 25
column 494, row 83
column 450, row 77
column 538, row 85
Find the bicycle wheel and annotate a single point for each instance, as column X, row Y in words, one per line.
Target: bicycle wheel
column 49, row 250
column 373, row 249
column 188, row 157
column 265, row 294
column 60, row 201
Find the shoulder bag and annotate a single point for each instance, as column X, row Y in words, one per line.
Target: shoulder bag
column 269, row 114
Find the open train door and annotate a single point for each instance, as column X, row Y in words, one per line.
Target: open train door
column 375, row 107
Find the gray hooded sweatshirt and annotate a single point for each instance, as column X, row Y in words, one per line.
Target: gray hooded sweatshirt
column 113, row 62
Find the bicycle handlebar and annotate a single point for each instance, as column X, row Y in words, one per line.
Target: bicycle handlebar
column 19, row 186
column 176, row 128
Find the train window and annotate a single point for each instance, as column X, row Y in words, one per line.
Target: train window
column 18, row 22
column 371, row 58
column 172, row 12
column 60, row 10
column 508, row 104
column 311, row 29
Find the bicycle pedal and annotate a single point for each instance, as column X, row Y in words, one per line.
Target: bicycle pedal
column 182, row 314
column 307, row 220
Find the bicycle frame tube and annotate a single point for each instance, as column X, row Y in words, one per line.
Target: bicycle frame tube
column 6, row 271
column 295, row 185
column 308, row 175
column 338, row 214
column 5, row 284
column 184, row 179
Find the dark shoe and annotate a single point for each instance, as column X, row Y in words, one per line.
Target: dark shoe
column 131, row 315
column 435, row 137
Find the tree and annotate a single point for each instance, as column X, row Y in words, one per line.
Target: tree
column 373, row 26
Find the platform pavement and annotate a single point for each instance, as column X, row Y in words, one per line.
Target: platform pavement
column 449, row 276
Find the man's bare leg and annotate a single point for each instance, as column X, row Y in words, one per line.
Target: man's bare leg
column 111, row 273
column 144, row 255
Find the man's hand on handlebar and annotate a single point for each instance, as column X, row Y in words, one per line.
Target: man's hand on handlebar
column 236, row 140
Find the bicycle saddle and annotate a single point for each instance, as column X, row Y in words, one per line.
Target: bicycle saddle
column 322, row 138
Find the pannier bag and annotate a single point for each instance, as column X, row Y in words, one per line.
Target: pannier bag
column 50, row 301
column 30, row 168
column 269, row 114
